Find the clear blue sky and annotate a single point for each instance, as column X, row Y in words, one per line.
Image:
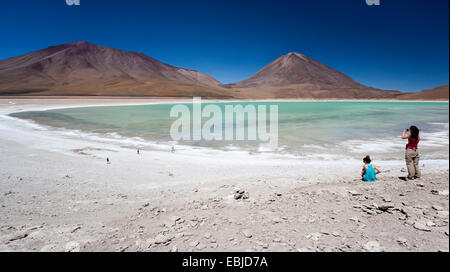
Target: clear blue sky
column 401, row 44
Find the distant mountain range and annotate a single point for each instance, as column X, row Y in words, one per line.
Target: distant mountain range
column 84, row 69
column 438, row 93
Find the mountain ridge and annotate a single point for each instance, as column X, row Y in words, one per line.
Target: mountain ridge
column 85, row 69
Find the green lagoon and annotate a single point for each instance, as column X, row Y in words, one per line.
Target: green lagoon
column 306, row 129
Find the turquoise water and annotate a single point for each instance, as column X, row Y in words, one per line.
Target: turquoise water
column 305, row 128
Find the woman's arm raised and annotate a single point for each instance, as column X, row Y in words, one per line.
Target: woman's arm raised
column 404, row 136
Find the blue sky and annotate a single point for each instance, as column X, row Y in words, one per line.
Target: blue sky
column 401, row 44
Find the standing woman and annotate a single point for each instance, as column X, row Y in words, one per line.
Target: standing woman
column 412, row 152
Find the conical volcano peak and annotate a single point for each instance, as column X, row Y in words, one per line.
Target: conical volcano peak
column 295, row 54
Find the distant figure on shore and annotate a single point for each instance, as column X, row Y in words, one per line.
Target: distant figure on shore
column 412, row 152
column 369, row 171
column 172, row 149
column 138, row 151
column 107, row 161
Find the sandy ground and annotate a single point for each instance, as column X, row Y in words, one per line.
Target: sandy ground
column 58, row 194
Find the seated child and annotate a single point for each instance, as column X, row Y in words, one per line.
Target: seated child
column 369, row 171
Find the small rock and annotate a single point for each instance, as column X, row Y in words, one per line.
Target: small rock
column 385, row 208
column 201, row 246
column 18, row 236
column 276, row 220
column 72, row 247
column 148, row 243
column 421, row 226
column 437, row 208
column 194, row 243
column 443, row 193
column 402, row 241
column 276, row 240
column 314, row 236
column 174, row 249
column 354, row 193
column 247, row 233
column 161, row 239
column 372, row 246
column 245, row 195
column 75, row 229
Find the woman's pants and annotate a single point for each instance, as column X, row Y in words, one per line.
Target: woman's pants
column 412, row 163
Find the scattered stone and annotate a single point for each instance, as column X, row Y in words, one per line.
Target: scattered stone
column 437, row 208
column 247, row 233
column 315, row 236
column 72, row 247
column 387, row 199
column 18, row 236
column 354, row 193
column 372, row 246
column 421, row 226
column 276, row 220
column 241, row 194
column 147, row 244
column 174, row 249
column 386, row 208
column 443, row 193
column 402, row 241
column 276, row 240
column 336, row 234
column 201, row 246
column 162, row 239
column 75, row 229
column 194, row 243
column 355, row 219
